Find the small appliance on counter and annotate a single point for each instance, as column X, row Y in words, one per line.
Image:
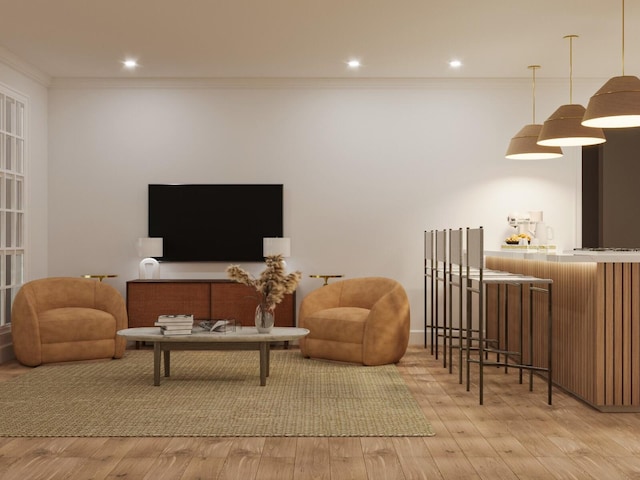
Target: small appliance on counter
column 532, row 233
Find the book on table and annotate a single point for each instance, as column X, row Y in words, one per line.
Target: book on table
column 173, row 319
column 175, row 324
column 184, row 331
column 219, row 326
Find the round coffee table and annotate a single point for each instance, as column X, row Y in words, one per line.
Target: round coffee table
column 246, row 338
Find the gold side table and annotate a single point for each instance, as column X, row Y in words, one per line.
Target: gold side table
column 326, row 278
column 100, row 276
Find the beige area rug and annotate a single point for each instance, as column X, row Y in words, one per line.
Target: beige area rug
column 210, row 393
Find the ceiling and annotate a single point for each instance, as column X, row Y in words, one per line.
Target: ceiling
column 314, row 38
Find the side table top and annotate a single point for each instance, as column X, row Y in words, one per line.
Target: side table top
column 326, row 277
column 100, row 276
column 244, row 334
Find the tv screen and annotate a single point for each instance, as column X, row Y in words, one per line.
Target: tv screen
column 214, row 223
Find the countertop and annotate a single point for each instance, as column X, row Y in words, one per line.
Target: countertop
column 552, row 256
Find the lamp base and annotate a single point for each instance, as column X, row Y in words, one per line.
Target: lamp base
column 149, row 268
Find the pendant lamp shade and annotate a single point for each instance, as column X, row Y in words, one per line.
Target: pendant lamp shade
column 615, row 105
column 564, row 129
column 524, row 145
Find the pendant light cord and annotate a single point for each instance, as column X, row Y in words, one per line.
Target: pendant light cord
column 623, row 38
column 570, row 70
column 570, row 37
column 533, row 89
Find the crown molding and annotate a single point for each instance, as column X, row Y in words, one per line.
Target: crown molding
column 16, row 63
column 283, row 82
column 301, row 83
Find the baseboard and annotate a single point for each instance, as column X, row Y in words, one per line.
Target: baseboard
column 6, row 354
column 416, row 337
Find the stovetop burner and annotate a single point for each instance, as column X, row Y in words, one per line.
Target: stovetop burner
column 605, row 250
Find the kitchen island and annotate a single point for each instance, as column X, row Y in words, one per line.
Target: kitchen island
column 596, row 322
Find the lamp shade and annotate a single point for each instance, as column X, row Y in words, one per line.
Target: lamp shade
column 149, row 247
column 276, row 246
column 615, row 105
column 524, row 145
column 564, row 129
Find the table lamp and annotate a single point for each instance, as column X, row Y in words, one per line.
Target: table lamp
column 276, row 246
column 148, row 248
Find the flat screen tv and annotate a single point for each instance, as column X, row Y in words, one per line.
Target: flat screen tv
column 214, row 223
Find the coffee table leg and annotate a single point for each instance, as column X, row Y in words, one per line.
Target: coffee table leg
column 167, row 363
column 264, row 362
column 268, row 358
column 157, row 351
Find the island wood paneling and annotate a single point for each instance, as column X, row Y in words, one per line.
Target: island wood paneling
column 596, row 331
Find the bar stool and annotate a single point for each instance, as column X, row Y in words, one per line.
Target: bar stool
column 455, row 330
column 435, row 309
column 475, row 282
column 440, row 276
column 429, row 266
column 457, row 272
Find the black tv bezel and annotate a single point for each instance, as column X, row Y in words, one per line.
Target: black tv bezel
column 241, row 195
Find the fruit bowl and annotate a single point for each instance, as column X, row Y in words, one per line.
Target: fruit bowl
column 516, row 238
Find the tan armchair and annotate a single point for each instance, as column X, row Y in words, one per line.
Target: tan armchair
column 62, row 319
column 360, row 320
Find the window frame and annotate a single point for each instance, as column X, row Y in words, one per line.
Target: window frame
column 13, row 194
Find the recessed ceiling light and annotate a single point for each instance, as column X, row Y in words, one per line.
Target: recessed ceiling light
column 455, row 63
column 130, row 64
column 354, row 63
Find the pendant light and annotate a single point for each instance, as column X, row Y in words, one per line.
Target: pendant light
column 564, row 127
column 617, row 103
column 523, row 145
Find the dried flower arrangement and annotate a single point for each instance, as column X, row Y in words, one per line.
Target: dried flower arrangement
column 272, row 284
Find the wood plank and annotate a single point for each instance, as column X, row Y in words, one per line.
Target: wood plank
column 347, row 468
column 132, row 467
column 635, row 333
column 243, row 459
column 312, row 459
column 609, row 336
column 279, row 447
column 626, row 334
column 203, row 467
column 276, row 468
column 168, row 467
column 617, row 335
column 345, row 447
column 380, row 458
column 599, row 344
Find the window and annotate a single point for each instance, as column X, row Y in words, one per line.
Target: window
column 12, row 196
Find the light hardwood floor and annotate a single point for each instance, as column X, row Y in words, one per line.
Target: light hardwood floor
column 514, row 435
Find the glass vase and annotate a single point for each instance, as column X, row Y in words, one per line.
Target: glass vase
column 265, row 318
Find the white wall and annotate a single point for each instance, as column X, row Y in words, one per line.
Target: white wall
column 366, row 168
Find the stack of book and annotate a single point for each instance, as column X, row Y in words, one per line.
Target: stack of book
column 175, row 324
